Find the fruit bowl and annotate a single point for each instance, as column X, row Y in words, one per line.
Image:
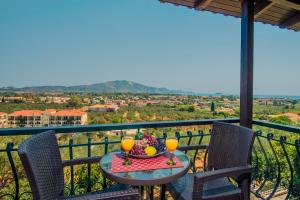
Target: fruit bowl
column 145, row 156
column 147, row 146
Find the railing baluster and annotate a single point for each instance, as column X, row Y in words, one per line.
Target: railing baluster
column 9, row 149
column 177, row 135
column 200, row 132
column 291, row 182
column 165, row 135
column 256, row 163
column 297, row 146
column 72, row 191
column 270, row 136
column 106, row 145
column 189, row 134
column 297, row 166
column 206, row 151
column 266, row 175
column 89, row 166
column 105, row 152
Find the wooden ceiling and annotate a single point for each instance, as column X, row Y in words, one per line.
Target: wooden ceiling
column 282, row 13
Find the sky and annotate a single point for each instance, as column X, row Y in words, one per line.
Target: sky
column 64, row 42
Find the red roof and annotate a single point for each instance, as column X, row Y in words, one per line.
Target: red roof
column 27, row 113
column 2, row 113
column 68, row 113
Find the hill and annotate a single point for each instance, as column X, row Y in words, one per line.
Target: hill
column 118, row 86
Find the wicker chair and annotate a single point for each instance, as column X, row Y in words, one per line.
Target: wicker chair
column 228, row 156
column 44, row 169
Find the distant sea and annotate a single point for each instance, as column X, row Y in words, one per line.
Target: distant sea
column 256, row 96
column 276, row 96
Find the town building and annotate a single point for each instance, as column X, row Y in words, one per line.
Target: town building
column 13, row 99
column 25, row 118
column 50, row 117
column 54, row 99
column 67, row 117
column 3, row 120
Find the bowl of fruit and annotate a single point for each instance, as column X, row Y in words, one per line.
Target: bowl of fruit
column 147, row 146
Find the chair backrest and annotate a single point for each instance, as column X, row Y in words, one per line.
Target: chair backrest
column 43, row 165
column 230, row 146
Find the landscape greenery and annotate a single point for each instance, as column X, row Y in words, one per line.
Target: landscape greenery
column 186, row 110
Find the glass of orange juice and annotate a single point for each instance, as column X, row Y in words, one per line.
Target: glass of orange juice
column 127, row 144
column 171, row 145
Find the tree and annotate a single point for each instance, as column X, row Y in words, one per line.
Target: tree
column 294, row 102
column 74, row 101
column 181, row 109
column 102, row 101
column 117, row 120
column 225, row 115
column 212, row 107
column 286, row 107
column 19, row 101
column 191, row 109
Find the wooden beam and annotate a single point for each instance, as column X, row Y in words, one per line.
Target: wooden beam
column 246, row 77
column 261, row 6
column 292, row 4
column 202, row 4
column 291, row 21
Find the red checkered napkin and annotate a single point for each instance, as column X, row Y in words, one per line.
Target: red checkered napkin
column 159, row 162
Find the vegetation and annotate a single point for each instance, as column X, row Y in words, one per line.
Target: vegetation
column 74, row 102
column 11, row 107
column 281, row 120
column 188, row 108
column 151, row 113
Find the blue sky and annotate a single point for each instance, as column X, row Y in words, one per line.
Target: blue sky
column 63, row 42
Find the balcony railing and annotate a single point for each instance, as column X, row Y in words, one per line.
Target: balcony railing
column 276, row 157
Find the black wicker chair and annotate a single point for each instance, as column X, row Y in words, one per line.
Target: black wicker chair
column 228, row 156
column 44, row 169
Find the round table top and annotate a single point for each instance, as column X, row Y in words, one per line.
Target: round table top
column 147, row 177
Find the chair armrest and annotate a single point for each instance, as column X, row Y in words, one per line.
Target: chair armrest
column 81, row 161
column 193, row 147
column 227, row 172
column 132, row 194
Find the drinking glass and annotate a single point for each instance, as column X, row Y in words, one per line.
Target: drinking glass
column 127, row 144
column 171, row 145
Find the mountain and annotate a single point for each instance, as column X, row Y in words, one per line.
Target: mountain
column 119, row 86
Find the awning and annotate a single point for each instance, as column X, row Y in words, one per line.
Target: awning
column 282, row 13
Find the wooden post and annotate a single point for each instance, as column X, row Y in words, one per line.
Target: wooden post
column 246, row 77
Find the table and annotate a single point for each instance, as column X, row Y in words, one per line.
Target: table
column 148, row 177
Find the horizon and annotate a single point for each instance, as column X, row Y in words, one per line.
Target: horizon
column 194, row 93
column 154, row 44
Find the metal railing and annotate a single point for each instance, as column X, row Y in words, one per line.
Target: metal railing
column 266, row 181
column 276, row 161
